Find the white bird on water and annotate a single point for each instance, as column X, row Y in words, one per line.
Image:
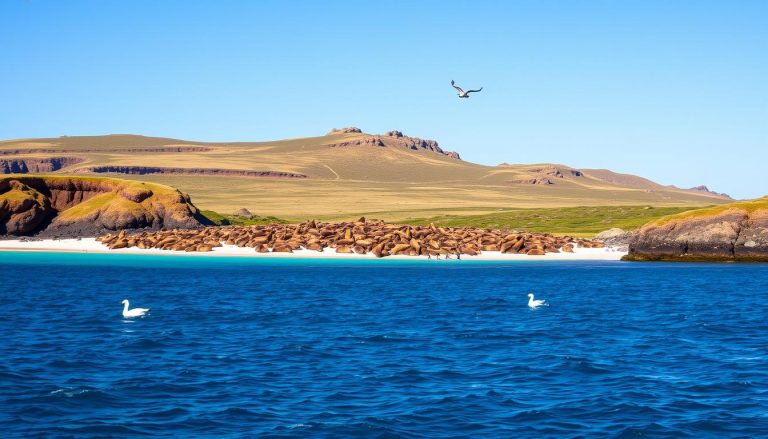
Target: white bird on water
column 533, row 304
column 136, row 312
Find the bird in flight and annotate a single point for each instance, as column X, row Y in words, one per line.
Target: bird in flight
column 462, row 93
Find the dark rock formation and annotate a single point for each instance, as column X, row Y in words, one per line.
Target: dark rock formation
column 142, row 170
column 74, row 206
column 36, row 165
column 731, row 232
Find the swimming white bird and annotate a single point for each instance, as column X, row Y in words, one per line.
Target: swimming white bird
column 136, row 312
column 462, row 93
column 535, row 303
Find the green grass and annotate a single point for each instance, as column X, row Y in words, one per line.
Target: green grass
column 16, row 195
column 579, row 221
column 230, row 220
column 92, row 205
column 749, row 206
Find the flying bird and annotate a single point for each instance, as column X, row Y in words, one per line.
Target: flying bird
column 462, row 93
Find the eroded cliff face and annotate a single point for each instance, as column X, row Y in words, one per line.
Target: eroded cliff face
column 36, row 165
column 88, row 206
column 733, row 232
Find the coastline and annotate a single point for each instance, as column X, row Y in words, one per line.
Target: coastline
column 90, row 245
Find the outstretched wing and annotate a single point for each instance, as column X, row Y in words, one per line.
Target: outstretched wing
column 474, row 91
column 456, row 86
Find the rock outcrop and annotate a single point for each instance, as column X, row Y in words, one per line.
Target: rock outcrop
column 615, row 237
column 554, row 171
column 702, row 188
column 83, row 206
column 416, row 143
column 142, row 170
column 539, row 180
column 36, row 165
column 730, row 232
column 346, row 130
column 359, row 237
column 392, row 138
column 368, row 140
column 545, row 175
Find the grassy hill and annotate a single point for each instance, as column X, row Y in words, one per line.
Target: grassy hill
column 576, row 221
column 59, row 205
column 746, row 206
column 342, row 175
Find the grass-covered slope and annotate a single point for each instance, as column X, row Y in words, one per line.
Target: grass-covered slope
column 577, row 221
column 389, row 176
column 748, row 206
column 87, row 206
column 221, row 219
column 730, row 232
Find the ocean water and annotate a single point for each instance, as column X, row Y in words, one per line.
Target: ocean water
column 380, row 349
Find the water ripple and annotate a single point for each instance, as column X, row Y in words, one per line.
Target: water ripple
column 289, row 350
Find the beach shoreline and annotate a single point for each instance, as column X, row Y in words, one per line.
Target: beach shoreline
column 90, row 245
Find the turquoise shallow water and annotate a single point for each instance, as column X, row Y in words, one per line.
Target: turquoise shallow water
column 322, row 348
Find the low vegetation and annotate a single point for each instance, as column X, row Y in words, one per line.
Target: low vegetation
column 236, row 220
column 748, row 206
column 577, row 221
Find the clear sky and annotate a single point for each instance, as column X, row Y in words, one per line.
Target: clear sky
column 676, row 91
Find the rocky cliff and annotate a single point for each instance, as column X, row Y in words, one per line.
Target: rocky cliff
column 89, row 206
column 36, row 165
column 392, row 138
column 416, row 143
column 730, row 232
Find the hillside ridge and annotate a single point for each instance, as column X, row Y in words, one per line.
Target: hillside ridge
column 340, row 175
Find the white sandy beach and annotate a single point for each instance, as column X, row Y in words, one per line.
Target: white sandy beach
column 90, row 245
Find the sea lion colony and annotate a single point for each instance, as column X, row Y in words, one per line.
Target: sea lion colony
column 359, row 237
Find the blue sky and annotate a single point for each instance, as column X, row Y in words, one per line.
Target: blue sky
column 676, row 91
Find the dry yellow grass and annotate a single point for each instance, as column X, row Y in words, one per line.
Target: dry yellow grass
column 391, row 182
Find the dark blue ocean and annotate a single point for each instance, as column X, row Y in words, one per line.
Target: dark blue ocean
column 380, row 349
